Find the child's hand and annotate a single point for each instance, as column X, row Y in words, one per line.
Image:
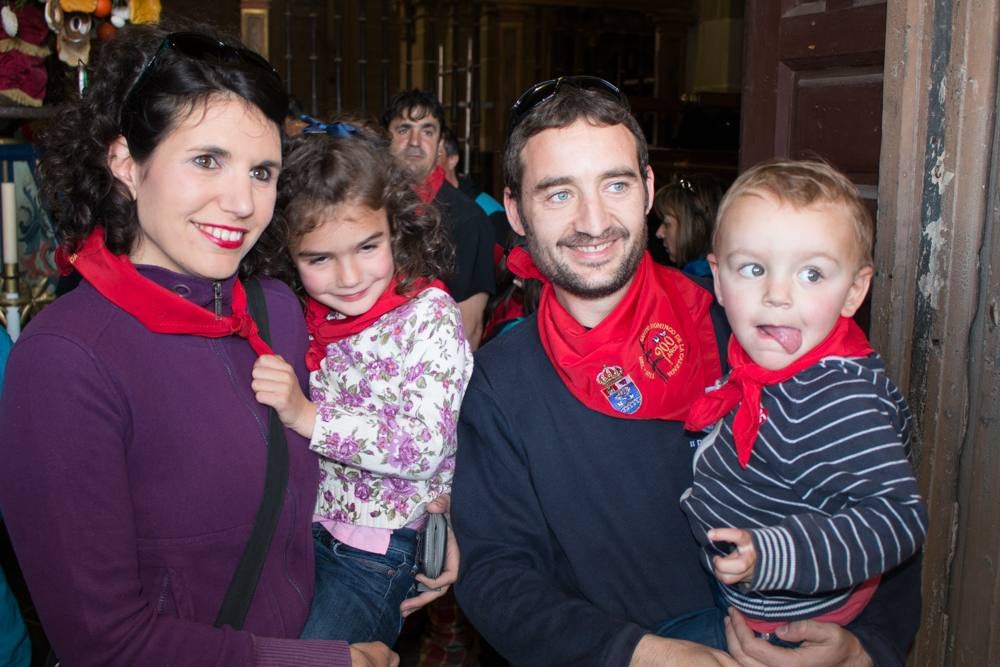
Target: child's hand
column 275, row 384
column 739, row 564
column 437, row 587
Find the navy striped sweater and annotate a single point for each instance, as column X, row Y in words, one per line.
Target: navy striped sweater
column 829, row 494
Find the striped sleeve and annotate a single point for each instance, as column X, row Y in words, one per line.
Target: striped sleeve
column 843, row 439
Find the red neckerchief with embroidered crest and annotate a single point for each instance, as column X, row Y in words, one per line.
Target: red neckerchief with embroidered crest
column 429, row 188
column 324, row 330
column 651, row 358
column 745, row 381
column 157, row 308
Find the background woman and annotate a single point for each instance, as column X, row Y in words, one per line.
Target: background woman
column 686, row 210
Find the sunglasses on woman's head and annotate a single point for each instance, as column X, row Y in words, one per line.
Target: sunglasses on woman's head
column 540, row 93
column 198, row 46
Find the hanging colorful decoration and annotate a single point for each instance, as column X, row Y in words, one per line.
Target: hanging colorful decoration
column 76, row 22
column 25, row 26
column 22, row 53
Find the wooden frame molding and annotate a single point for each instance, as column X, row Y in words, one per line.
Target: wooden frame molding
column 932, row 303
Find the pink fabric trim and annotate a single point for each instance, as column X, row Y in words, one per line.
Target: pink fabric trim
column 366, row 538
column 842, row 615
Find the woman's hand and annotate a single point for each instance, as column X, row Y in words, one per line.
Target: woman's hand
column 449, row 575
column 373, row 654
column 823, row 645
column 275, row 384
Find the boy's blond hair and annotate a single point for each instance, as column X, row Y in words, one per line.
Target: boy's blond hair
column 804, row 183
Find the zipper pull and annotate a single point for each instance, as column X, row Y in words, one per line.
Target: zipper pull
column 217, row 290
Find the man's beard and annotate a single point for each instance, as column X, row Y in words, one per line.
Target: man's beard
column 418, row 170
column 564, row 277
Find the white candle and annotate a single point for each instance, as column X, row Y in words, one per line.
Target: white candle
column 9, row 223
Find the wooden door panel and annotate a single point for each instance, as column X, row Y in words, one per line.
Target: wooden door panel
column 837, row 114
column 812, row 36
column 812, row 87
column 813, row 83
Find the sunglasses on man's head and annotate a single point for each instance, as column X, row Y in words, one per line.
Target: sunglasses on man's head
column 198, row 46
column 540, row 93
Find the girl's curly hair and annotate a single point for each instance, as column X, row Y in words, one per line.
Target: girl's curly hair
column 321, row 172
column 140, row 89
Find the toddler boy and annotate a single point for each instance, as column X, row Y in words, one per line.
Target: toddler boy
column 803, row 494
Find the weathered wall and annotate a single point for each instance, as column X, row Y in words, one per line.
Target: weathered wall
column 934, row 308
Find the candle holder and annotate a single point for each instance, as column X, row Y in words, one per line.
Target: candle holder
column 21, row 299
column 10, row 278
column 11, row 300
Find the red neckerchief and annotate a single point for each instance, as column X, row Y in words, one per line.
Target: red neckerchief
column 157, row 308
column 323, row 330
column 651, row 358
column 431, row 185
column 743, row 386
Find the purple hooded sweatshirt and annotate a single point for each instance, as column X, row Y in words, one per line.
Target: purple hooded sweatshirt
column 133, row 465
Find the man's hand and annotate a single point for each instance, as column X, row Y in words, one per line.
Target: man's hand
column 653, row 651
column 449, row 574
column 739, row 564
column 823, row 645
column 275, row 384
column 373, row 654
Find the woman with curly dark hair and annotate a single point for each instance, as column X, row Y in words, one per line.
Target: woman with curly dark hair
column 134, row 452
column 389, row 365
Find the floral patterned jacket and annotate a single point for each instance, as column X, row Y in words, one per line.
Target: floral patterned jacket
column 387, row 411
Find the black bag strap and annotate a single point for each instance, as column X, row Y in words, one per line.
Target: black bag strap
column 244, row 582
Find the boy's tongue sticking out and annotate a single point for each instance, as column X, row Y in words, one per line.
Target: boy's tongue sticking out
column 788, row 338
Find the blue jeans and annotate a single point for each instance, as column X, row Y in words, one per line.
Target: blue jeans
column 707, row 626
column 358, row 592
column 704, row 626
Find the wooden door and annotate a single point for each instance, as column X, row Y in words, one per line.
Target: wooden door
column 812, row 87
column 812, row 84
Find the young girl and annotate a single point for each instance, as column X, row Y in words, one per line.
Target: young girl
column 389, row 365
